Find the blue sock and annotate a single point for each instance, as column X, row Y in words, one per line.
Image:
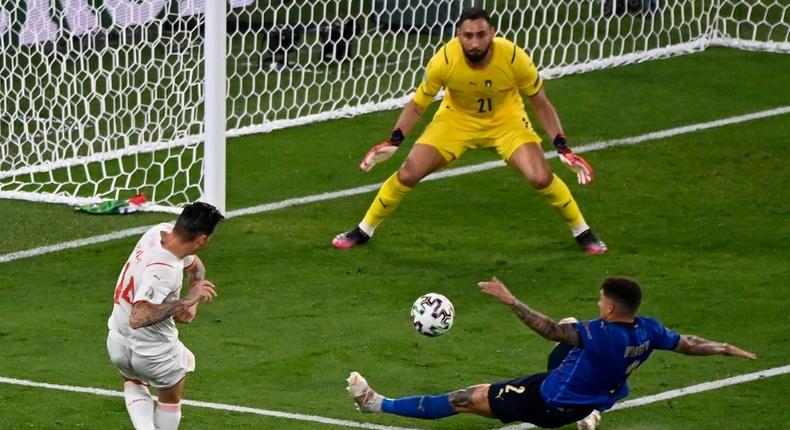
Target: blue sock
column 427, row 407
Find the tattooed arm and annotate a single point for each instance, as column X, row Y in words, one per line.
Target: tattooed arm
column 544, row 325
column 535, row 320
column 145, row 313
column 695, row 345
column 195, row 272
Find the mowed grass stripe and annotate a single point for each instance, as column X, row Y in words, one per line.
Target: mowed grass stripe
column 298, row 201
column 641, row 401
column 207, row 405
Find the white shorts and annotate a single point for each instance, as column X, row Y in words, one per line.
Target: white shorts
column 161, row 371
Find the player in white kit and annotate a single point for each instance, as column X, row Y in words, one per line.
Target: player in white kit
column 143, row 339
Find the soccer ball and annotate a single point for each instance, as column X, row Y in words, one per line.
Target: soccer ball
column 432, row 314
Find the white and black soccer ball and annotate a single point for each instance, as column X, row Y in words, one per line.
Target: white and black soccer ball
column 432, row 314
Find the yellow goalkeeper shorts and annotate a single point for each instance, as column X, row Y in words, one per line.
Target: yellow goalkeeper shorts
column 452, row 134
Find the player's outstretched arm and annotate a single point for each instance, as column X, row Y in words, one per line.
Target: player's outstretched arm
column 145, row 313
column 695, row 345
column 535, row 320
column 551, row 123
column 409, row 117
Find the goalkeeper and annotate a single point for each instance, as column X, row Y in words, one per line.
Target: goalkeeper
column 486, row 79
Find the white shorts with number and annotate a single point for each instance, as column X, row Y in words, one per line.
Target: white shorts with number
column 161, row 371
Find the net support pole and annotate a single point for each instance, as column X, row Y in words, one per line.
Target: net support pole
column 214, row 102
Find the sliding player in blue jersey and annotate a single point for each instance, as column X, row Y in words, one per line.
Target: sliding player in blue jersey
column 588, row 370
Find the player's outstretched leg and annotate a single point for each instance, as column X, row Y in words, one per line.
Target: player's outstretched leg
column 425, row 407
column 367, row 400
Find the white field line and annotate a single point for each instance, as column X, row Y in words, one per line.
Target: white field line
column 209, row 405
column 693, row 389
column 5, row 258
column 641, row 401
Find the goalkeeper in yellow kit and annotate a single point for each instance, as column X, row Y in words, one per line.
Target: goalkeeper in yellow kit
column 486, row 79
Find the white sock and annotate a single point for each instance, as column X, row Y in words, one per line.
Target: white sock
column 579, row 229
column 367, row 228
column 139, row 404
column 167, row 416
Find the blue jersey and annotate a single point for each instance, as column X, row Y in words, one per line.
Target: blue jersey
column 595, row 372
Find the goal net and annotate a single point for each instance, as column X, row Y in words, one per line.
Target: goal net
column 104, row 99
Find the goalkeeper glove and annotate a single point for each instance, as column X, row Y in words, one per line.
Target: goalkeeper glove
column 382, row 151
column 575, row 163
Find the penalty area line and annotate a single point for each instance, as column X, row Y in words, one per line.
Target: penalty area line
column 692, row 389
column 210, row 405
column 596, row 146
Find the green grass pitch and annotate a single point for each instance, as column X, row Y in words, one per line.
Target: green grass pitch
column 700, row 219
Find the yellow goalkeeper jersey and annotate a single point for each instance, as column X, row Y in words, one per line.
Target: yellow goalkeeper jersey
column 487, row 95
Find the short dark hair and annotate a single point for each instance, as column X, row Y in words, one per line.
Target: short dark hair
column 624, row 292
column 472, row 13
column 196, row 219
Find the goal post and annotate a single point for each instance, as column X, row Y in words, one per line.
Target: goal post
column 104, row 99
column 216, row 75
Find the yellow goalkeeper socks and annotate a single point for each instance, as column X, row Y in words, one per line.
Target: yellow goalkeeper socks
column 388, row 198
column 559, row 197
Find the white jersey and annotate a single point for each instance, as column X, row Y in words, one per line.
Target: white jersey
column 151, row 274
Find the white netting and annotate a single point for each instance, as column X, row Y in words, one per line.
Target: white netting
column 100, row 102
column 756, row 25
column 104, row 98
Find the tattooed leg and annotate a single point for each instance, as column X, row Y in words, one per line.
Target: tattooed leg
column 472, row 400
